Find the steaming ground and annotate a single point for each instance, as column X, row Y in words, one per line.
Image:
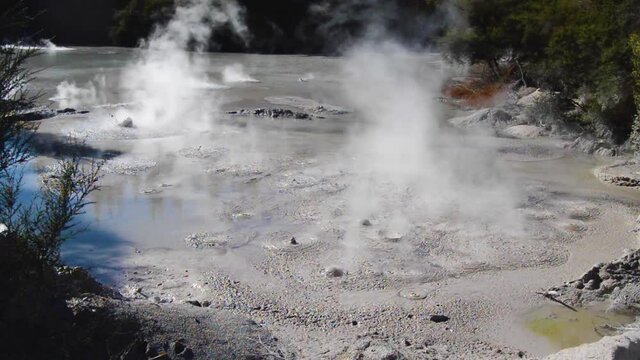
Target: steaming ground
column 339, row 229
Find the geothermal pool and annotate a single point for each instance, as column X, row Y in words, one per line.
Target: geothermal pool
column 369, row 213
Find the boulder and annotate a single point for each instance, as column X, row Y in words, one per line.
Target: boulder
column 627, row 299
column 621, row 347
column 524, row 131
column 495, row 118
column 531, row 99
column 590, row 146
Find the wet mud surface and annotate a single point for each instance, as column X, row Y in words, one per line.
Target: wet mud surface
column 262, row 217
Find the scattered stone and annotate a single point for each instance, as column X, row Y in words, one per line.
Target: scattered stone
column 293, row 241
column 274, row 113
column 194, row 303
column 126, row 123
column 439, row 318
column 622, row 173
column 333, row 272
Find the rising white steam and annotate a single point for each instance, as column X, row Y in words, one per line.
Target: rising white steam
column 170, row 81
column 409, row 169
column 45, row 45
column 70, row 95
column 236, row 74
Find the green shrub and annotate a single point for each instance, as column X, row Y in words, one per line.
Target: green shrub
column 33, row 232
column 578, row 49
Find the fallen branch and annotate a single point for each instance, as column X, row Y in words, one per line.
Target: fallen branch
column 551, row 295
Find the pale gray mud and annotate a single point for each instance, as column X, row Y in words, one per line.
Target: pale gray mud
column 254, row 216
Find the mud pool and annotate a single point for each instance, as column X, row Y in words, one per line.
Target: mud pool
column 320, row 228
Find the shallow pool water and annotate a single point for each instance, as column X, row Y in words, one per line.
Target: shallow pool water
column 565, row 328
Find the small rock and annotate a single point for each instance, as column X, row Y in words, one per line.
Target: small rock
column 179, row 346
column 294, row 241
column 334, row 272
column 366, row 222
column 126, row 123
column 608, row 285
column 194, row 303
column 439, row 318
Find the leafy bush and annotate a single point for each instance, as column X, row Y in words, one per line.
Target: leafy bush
column 634, row 43
column 31, row 233
column 136, row 18
column 579, row 49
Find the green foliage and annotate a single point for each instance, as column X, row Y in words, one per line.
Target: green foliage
column 33, row 232
column 634, row 44
column 578, row 48
column 136, row 19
